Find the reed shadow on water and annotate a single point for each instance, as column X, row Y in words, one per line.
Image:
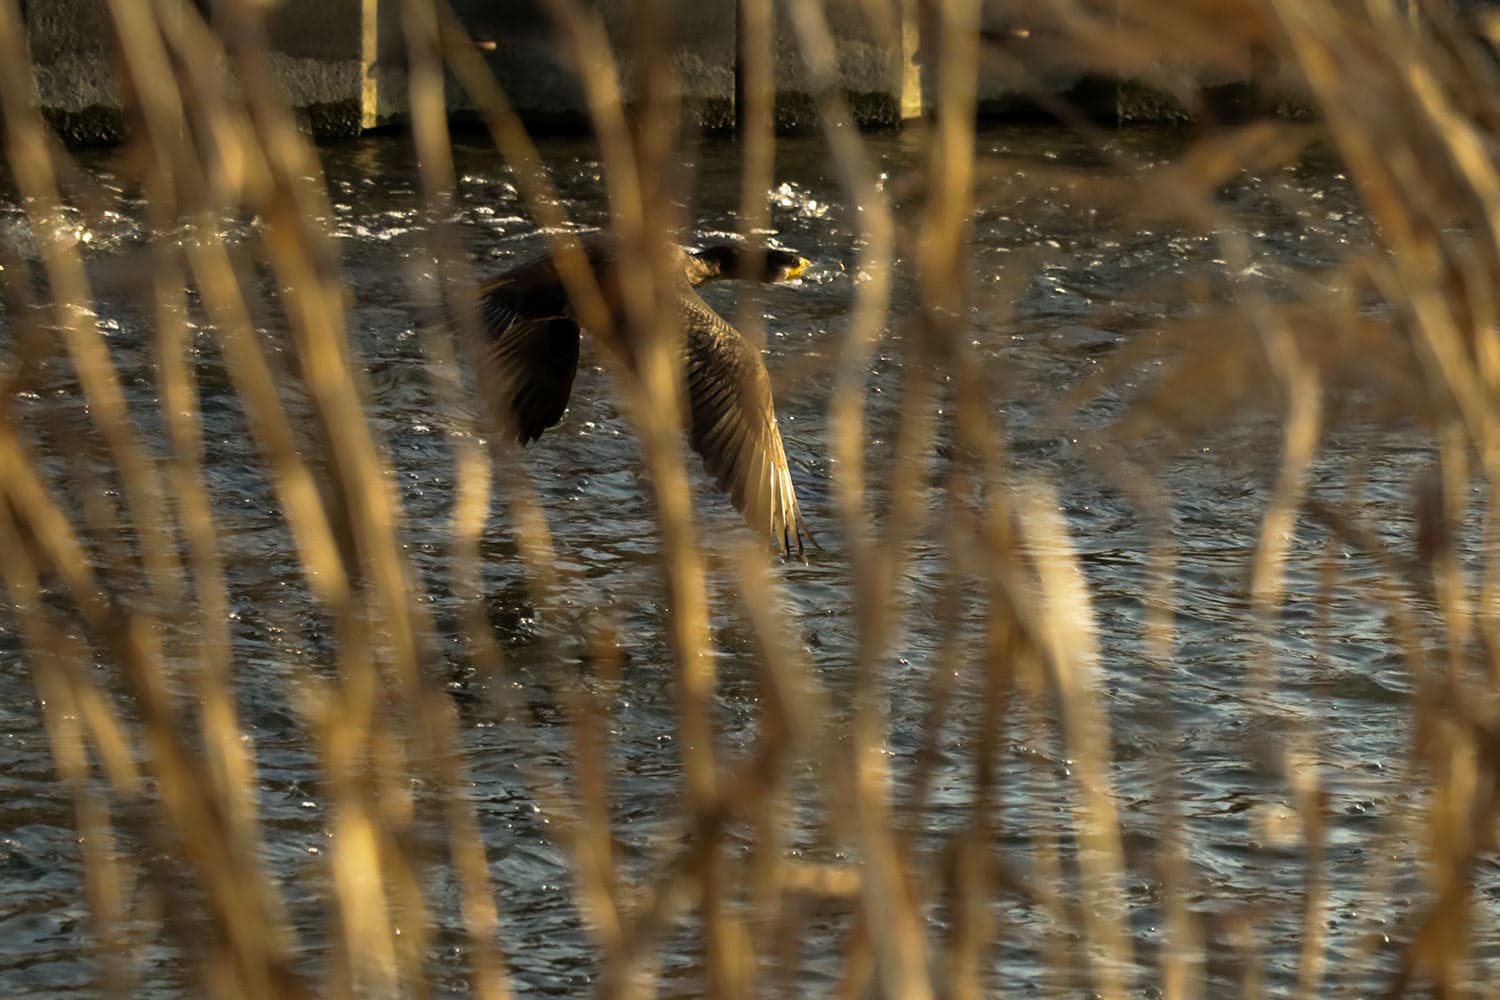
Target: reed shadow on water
column 1153, row 643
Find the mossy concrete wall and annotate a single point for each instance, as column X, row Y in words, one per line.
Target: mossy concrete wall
column 75, row 66
column 872, row 56
column 1033, row 61
column 320, row 54
column 342, row 63
column 522, row 51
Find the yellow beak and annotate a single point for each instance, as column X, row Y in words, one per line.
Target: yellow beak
column 795, row 271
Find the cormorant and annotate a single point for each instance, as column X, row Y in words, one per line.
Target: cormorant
column 531, row 356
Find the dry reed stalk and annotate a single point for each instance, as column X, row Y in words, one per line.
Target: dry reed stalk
column 640, row 182
column 465, row 843
column 1399, row 94
column 886, row 906
column 755, row 102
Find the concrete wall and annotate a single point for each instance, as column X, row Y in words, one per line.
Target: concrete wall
column 872, row 55
column 538, row 79
column 343, row 63
column 318, row 54
column 75, row 67
column 524, row 59
column 1028, row 49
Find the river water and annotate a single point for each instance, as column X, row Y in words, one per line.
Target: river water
column 1196, row 726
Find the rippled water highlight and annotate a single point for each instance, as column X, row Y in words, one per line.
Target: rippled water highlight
column 1196, row 726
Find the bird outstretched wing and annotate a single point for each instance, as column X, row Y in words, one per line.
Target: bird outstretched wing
column 732, row 424
column 530, row 355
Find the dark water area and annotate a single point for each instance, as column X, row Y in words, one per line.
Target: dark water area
column 1195, row 728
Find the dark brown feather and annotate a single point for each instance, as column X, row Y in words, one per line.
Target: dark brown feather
column 732, row 424
column 531, row 357
column 527, row 368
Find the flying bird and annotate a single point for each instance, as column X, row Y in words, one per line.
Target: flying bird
column 530, row 357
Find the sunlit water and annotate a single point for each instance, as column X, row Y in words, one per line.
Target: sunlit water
column 1196, row 727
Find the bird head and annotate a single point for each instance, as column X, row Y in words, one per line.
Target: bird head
column 735, row 261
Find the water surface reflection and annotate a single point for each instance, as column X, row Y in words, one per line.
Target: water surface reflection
column 1195, row 728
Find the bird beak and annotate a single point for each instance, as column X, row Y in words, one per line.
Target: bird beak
column 795, row 271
